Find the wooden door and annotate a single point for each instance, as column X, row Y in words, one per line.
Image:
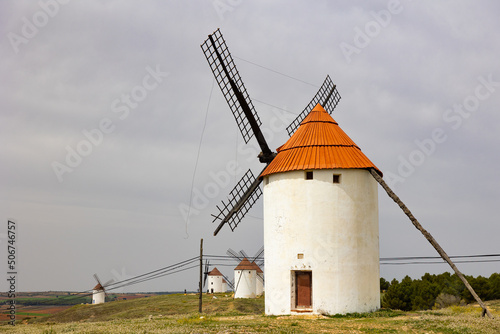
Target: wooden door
column 303, row 284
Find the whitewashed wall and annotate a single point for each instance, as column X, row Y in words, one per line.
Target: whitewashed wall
column 245, row 283
column 98, row 296
column 259, row 287
column 335, row 227
column 215, row 283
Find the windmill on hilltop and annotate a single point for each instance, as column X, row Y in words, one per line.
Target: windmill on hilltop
column 99, row 292
column 216, row 280
column 320, row 204
column 248, row 283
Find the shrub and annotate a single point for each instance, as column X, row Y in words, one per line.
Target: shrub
column 437, row 290
column 384, row 285
column 445, row 300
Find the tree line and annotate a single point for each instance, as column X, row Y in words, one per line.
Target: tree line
column 436, row 291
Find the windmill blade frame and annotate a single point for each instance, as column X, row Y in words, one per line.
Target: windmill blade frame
column 206, row 272
column 259, row 255
column 327, row 96
column 234, row 255
column 228, row 78
column 108, row 283
column 241, row 199
column 229, row 283
column 99, row 282
column 247, row 191
column 244, row 254
column 97, row 279
column 221, row 62
column 103, row 285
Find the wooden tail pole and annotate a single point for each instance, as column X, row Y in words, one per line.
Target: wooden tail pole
column 429, row 238
column 201, row 277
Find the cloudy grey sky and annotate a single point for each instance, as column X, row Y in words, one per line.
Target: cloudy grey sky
column 125, row 85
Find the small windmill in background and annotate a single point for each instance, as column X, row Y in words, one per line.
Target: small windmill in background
column 256, row 265
column 216, row 280
column 99, row 292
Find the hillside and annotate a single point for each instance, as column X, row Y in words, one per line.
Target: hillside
column 178, row 314
column 165, row 305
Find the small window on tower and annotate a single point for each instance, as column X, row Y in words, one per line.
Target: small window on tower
column 336, row 178
column 309, row 175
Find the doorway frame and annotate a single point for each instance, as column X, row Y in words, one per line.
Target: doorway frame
column 294, row 291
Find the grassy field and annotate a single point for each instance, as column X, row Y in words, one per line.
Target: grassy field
column 178, row 314
column 47, row 303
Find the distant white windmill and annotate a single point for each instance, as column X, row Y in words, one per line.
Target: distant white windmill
column 216, row 281
column 245, row 279
column 98, row 292
column 259, row 280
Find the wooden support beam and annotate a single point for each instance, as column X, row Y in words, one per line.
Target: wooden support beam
column 429, row 238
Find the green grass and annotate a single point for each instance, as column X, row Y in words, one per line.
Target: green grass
column 386, row 313
column 164, row 305
column 178, row 314
column 33, row 314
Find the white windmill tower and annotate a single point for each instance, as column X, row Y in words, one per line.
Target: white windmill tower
column 216, row 281
column 98, row 294
column 259, row 279
column 321, row 223
column 245, row 279
column 350, row 224
column 225, row 285
column 256, row 262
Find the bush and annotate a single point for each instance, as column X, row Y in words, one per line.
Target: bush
column 445, row 300
column 437, row 290
column 384, row 285
column 398, row 295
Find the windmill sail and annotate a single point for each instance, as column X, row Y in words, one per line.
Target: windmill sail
column 102, row 286
column 240, row 201
column 237, row 257
column 207, row 271
column 229, row 283
column 259, row 257
column 327, row 96
column 229, row 81
column 247, row 191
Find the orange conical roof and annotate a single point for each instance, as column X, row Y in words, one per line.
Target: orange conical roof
column 98, row 287
column 215, row 272
column 318, row 143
